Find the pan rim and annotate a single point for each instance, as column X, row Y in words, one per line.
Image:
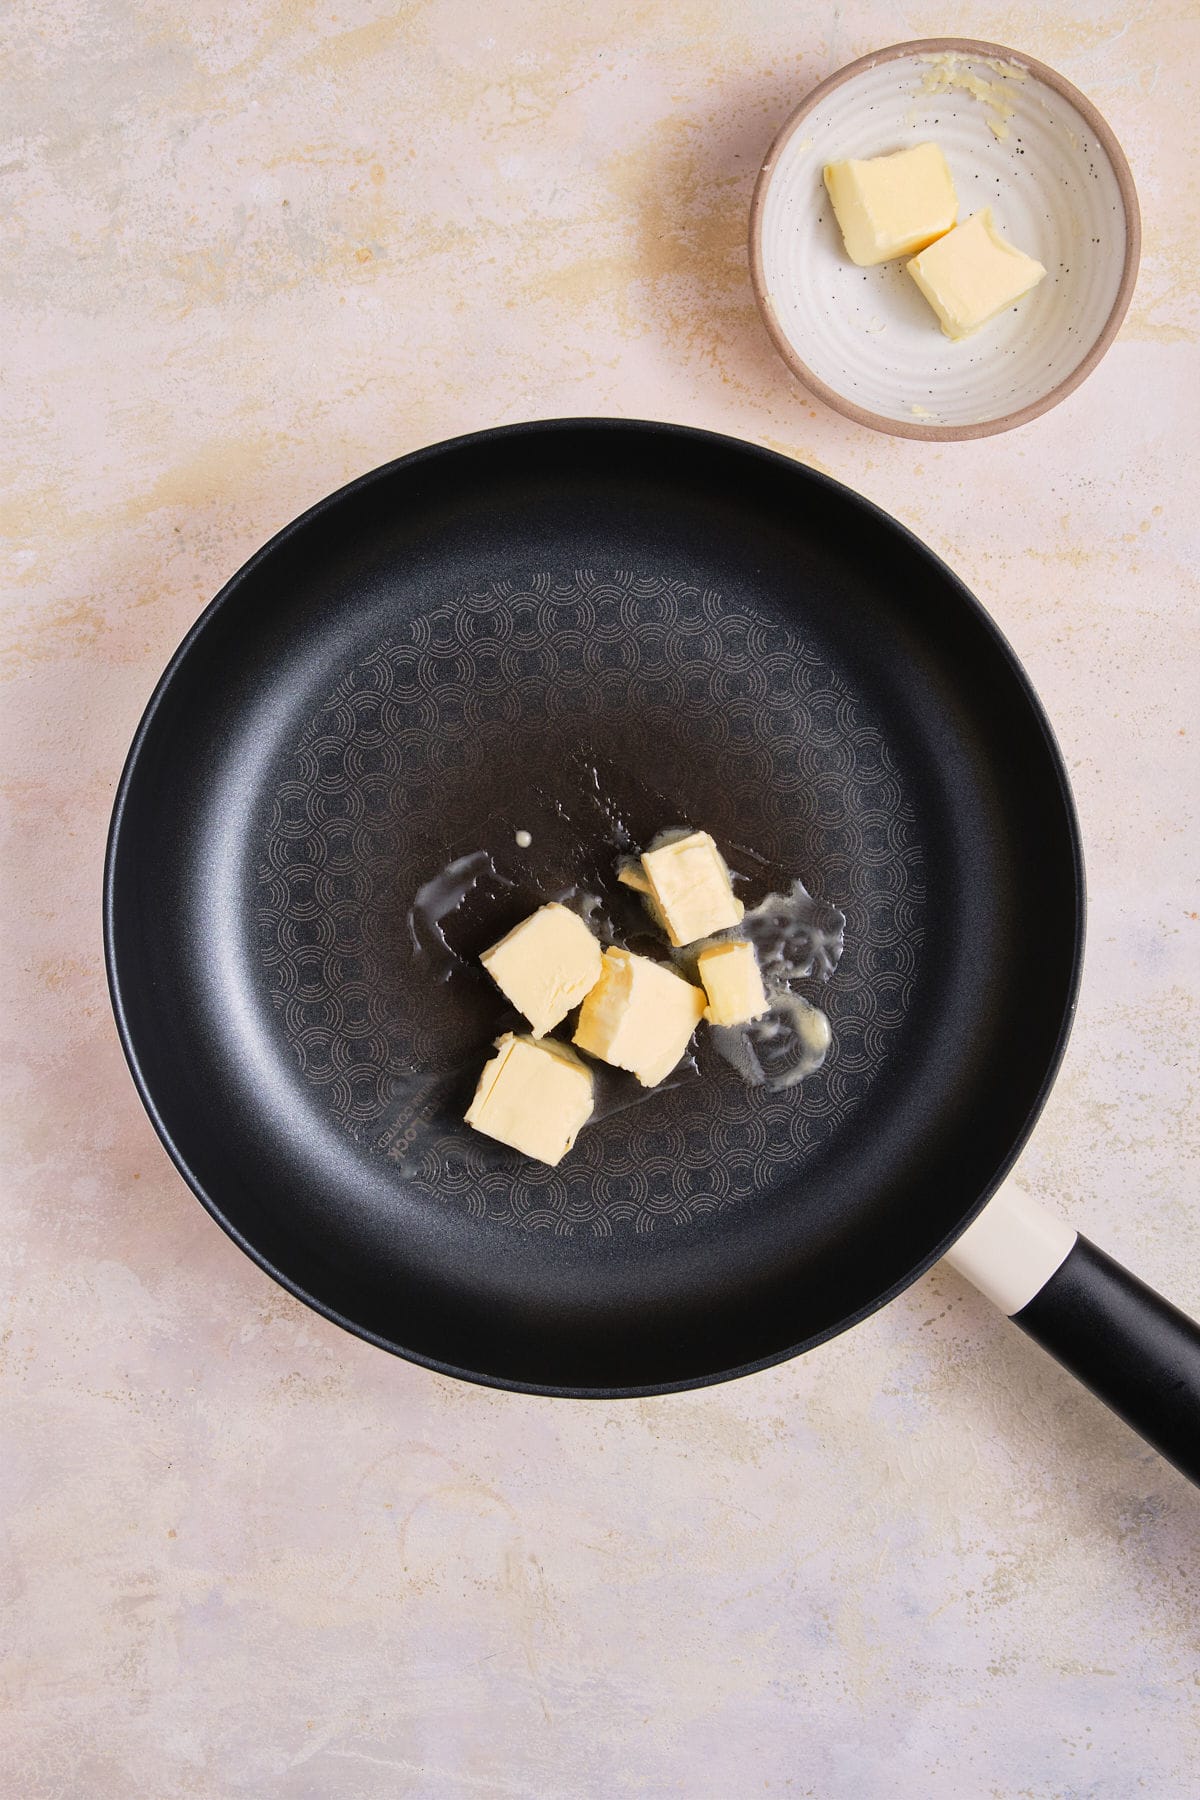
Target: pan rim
column 533, row 428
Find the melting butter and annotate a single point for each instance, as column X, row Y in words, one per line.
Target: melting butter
column 796, row 937
column 780, row 1050
column 435, row 900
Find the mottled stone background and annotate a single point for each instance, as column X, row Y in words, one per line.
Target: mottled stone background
column 250, row 251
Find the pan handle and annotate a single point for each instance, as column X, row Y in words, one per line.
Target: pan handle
column 1137, row 1352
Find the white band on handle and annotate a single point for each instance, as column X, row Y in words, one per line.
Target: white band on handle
column 1012, row 1249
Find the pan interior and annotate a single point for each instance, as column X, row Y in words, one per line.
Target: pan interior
column 556, row 630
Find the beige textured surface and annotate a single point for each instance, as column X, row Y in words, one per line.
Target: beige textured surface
column 251, row 251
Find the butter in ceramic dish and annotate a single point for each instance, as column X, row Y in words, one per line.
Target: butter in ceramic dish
column 972, row 274
column 889, row 206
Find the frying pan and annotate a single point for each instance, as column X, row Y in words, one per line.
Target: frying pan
column 543, row 629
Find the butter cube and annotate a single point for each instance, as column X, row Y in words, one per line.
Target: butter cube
column 892, row 205
column 533, row 1096
column 545, row 965
column 633, row 875
column 640, row 1016
column 733, row 984
column 972, row 274
column 690, row 886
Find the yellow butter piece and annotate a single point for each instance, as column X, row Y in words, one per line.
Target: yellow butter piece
column 545, row 965
column 892, row 205
column 639, row 1016
column 632, row 875
column 733, row 984
column 972, row 274
column 534, row 1095
column 690, row 886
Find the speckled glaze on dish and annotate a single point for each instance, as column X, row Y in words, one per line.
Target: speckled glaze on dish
column 1018, row 138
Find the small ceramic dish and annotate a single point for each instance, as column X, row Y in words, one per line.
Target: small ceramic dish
column 1019, row 139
